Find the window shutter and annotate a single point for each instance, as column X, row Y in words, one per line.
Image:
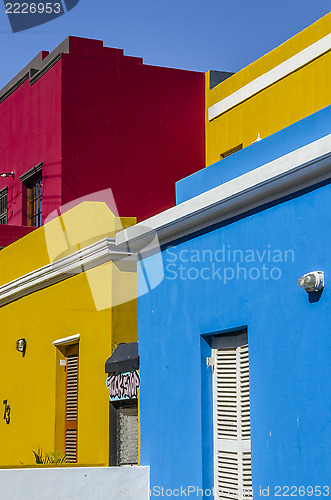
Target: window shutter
column 232, row 439
column 71, row 445
column 32, row 180
column 71, row 408
column 3, row 205
column 72, row 387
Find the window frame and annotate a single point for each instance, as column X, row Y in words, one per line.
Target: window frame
column 114, row 411
column 34, row 203
column 230, row 441
column 4, row 214
column 231, row 151
column 32, row 181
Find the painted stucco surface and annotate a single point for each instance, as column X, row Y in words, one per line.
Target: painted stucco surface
column 287, row 101
column 242, row 273
column 81, row 483
column 285, row 141
column 34, row 385
column 98, row 119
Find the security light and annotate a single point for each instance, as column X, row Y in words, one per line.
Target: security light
column 7, row 174
column 21, row 346
column 312, row 282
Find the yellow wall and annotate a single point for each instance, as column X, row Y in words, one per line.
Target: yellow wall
column 299, row 94
column 34, row 385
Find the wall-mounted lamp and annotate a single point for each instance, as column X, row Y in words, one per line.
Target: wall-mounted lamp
column 21, row 346
column 312, row 282
column 7, row 174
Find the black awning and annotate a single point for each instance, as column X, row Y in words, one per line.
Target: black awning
column 125, row 358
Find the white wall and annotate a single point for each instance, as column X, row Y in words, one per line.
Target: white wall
column 83, row 483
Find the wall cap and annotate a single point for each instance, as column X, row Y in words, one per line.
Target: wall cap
column 286, row 175
column 87, row 258
column 280, row 71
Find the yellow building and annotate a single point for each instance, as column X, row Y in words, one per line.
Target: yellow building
column 282, row 87
column 70, row 298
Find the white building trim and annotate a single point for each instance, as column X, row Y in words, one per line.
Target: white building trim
column 72, row 339
column 87, row 258
column 270, row 77
column 288, row 174
column 73, row 482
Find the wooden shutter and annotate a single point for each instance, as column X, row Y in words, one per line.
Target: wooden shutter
column 232, row 439
column 71, row 411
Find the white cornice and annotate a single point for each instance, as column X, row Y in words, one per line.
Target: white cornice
column 78, row 262
column 288, row 174
column 72, row 339
column 274, row 75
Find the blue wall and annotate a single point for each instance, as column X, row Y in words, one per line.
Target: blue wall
column 289, row 346
column 289, row 343
column 293, row 137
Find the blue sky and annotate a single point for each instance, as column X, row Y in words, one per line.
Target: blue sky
column 197, row 35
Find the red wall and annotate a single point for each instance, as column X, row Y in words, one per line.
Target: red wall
column 133, row 128
column 30, row 131
column 9, row 233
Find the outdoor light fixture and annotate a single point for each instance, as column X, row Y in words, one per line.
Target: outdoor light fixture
column 312, row 282
column 7, row 174
column 21, row 346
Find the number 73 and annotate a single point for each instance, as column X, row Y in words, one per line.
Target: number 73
column 6, row 414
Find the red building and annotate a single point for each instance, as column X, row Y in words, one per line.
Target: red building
column 86, row 117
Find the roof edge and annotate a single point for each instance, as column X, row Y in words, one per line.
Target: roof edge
column 300, row 169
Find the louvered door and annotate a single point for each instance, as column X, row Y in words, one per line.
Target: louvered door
column 232, row 440
column 71, row 410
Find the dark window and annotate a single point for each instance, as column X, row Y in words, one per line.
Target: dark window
column 123, row 432
column 34, row 198
column 122, row 368
column 3, row 205
column 127, row 435
column 32, row 181
column 231, row 151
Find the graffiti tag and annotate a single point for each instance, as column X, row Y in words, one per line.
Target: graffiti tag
column 123, row 385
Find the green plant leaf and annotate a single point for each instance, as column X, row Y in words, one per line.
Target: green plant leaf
column 49, row 458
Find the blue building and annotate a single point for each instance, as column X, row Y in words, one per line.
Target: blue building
column 243, row 232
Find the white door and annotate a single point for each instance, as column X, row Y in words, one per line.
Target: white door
column 232, row 436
